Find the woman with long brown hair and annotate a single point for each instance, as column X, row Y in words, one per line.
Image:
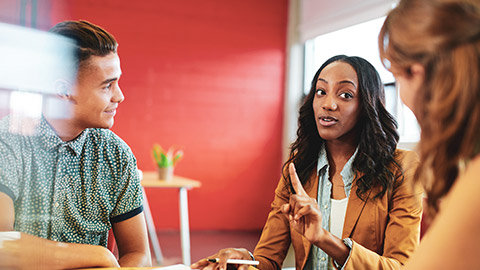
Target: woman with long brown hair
column 352, row 205
column 432, row 47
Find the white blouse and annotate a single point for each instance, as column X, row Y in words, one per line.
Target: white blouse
column 337, row 216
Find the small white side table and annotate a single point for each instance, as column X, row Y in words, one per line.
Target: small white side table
column 150, row 180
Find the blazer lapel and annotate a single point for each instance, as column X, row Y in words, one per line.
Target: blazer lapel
column 355, row 207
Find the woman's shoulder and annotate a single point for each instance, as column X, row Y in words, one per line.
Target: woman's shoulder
column 472, row 170
column 406, row 158
column 466, row 185
column 408, row 161
column 404, row 153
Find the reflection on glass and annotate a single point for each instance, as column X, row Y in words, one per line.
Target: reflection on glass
column 32, row 61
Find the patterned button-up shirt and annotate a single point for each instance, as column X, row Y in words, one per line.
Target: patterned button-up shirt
column 68, row 191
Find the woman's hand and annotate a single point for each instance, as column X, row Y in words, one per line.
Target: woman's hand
column 223, row 255
column 303, row 211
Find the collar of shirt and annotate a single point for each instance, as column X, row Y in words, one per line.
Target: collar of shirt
column 51, row 140
column 347, row 172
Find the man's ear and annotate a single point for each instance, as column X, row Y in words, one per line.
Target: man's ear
column 63, row 88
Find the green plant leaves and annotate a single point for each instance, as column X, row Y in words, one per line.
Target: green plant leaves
column 166, row 159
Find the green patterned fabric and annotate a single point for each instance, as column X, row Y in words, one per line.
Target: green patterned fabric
column 68, row 191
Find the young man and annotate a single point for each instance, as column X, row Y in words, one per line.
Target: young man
column 71, row 182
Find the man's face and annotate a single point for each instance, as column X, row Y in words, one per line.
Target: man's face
column 97, row 92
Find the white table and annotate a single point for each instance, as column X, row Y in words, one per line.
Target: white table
column 150, row 180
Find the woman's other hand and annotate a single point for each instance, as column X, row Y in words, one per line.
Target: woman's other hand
column 303, row 211
column 223, row 255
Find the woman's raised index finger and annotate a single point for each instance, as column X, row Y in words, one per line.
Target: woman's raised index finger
column 297, row 185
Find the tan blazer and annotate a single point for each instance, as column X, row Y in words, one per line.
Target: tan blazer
column 385, row 231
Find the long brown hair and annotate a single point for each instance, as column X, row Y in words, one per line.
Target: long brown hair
column 377, row 138
column 444, row 37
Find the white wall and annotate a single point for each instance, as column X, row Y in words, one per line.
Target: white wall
column 322, row 16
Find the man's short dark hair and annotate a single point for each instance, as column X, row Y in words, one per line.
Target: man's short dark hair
column 89, row 38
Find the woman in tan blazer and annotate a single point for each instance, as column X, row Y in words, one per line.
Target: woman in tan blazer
column 352, row 204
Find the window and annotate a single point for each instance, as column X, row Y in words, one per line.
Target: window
column 361, row 40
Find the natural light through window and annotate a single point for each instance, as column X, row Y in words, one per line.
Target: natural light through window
column 26, row 104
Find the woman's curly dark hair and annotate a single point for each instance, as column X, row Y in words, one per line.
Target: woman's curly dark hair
column 378, row 135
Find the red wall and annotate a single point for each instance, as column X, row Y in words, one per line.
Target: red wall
column 209, row 76
column 10, row 11
column 36, row 13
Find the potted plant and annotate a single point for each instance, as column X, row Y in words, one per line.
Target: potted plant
column 166, row 160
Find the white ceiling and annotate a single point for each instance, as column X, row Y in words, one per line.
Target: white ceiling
column 318, row 17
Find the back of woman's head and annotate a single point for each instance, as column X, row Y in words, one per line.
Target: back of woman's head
column 377, row 130
column 444, row 37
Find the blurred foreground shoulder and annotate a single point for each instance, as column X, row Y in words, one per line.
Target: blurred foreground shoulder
column 452, row 240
